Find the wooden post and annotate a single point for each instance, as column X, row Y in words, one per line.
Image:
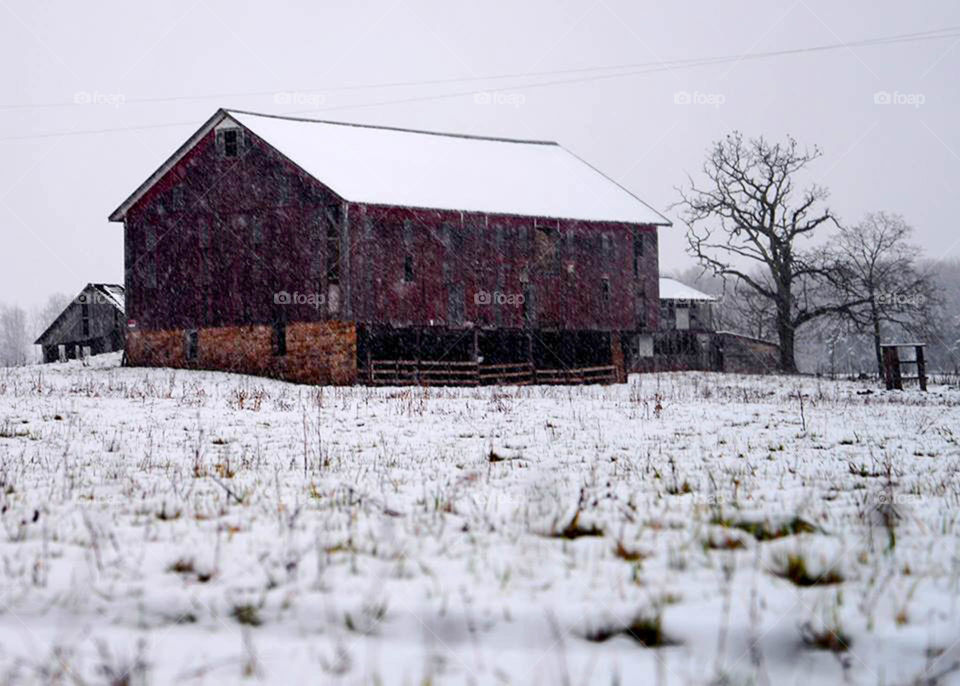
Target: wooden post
column 887, row 370
column 416, row 372
column 921, row 368
column 530, row 355
column 891, row 368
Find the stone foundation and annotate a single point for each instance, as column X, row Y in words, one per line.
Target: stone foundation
column 317, row 352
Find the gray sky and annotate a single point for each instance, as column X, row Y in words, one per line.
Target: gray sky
column 55, row 192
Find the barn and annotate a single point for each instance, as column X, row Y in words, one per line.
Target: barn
column 92, row 323
column 328, row 252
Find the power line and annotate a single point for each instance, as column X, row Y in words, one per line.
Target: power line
column 932, row 34
column 664, row 66
column 633, row 70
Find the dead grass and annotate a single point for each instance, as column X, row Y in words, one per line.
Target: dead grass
column 247, row 614
column 766, row 530
column 831, row 638
column 793, row 568
column 647, row 630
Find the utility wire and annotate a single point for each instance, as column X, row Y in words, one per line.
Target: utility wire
column 945, row 32
column 632, row 70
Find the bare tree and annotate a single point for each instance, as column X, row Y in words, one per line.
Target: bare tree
column 14, row 344
column 945, row 346
column 878, row 270
column 45, row 316
column 746, row 214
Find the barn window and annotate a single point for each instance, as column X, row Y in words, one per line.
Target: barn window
column 279, row 337
column 455, row 302
column 193, row 344
column 529, row 306
column 640, row 310
column 231, row 142
column 546, row 255
column 333, row 253
column 637, row 252
column 667, row 314
column 150, row 257
column 453, row 252
column 408, row 268
column 85, row 319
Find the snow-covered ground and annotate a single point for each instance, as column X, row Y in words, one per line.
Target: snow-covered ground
column 180, row 527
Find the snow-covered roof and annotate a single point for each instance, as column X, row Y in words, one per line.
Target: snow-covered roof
column 113, row 294
column 671, row 289
column 403, row 167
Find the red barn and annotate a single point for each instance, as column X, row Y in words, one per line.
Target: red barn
column 326, row 252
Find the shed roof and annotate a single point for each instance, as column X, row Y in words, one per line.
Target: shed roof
column 423, row 169
column 671, row 289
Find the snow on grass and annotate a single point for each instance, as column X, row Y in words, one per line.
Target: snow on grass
column 167, row 526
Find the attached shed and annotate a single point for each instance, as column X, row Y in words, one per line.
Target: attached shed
column 683, row 308
column 91, row 324
column 686, row 338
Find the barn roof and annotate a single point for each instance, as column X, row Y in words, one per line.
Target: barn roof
column 671, row 289
column 423, row 169
column 93, row 293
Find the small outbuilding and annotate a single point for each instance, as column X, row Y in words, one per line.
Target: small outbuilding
column 686, row 338
column 91, row 324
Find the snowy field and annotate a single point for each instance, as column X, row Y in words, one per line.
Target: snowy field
column 201, row 528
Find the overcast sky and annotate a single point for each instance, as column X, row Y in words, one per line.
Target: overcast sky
column 88, row 64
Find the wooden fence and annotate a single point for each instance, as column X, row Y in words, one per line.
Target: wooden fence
column 894, row 364
column 444, row 373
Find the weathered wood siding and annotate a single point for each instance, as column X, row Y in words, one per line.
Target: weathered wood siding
column 215, row 241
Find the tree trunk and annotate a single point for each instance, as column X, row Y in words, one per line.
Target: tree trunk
column 785, row 331
column 876, row 341
column 788, row 363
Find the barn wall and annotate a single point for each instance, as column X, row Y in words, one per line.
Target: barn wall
column 317, row 352
column 508, row 272
column 745, row 355
column 217, row 239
